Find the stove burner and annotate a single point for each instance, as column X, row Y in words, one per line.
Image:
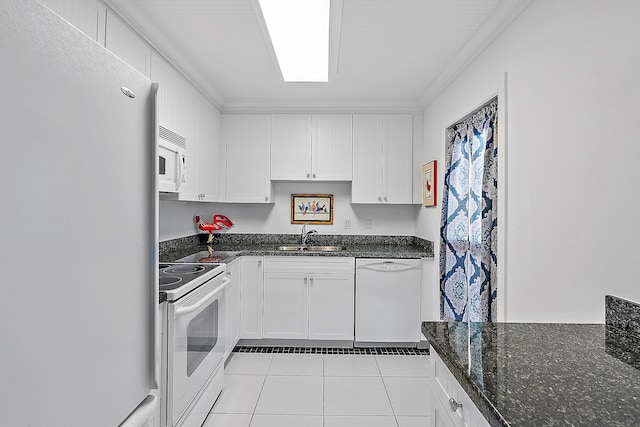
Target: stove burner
column 169, row 280
column 185, row 269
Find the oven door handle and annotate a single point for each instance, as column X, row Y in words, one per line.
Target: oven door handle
column 191, row 308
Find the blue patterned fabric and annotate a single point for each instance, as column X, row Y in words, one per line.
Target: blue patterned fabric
column 468, row 265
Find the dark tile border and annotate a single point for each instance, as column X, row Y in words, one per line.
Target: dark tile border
column 394, row 351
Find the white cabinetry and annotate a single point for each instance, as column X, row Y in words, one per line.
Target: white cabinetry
column 286, row 305
column 311, row 147
column 382, row 159
column 232, row 306
column 127, row 45
column 451, row 406
column 251, row 291
column 86, row 15
column 169, row 93
column 308, row 298
column 209, row 159
column 247, row 152
column 189, row 121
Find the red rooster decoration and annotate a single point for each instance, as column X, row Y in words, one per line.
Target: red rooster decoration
column 220, row 222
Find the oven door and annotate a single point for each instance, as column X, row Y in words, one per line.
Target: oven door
column 195, row 343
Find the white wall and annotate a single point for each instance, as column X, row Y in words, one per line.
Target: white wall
column 176, row 218
column 572, row 105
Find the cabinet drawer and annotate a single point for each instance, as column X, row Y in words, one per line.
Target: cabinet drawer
column 309, row 264
column 445, row 387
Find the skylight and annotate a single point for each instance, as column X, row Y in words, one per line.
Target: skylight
column 299, row 31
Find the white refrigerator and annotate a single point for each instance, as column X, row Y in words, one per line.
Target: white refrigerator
column 78, row 229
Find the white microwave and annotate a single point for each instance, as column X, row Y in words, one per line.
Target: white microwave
column 172, row 161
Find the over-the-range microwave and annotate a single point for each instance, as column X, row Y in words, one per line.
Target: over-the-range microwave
column 172, row 160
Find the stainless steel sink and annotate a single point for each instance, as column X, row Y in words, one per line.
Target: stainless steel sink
column 310, row 248
column 327, row 248
column 292, row 248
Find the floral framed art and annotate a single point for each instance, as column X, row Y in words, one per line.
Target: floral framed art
column 312, row 208
column 429, row 176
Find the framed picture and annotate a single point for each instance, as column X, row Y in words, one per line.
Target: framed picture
column 312, row 208
column 429, row 175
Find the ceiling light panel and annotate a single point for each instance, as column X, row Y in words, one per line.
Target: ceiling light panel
column 299, row 31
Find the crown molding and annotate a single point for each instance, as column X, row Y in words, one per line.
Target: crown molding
column 501, row 17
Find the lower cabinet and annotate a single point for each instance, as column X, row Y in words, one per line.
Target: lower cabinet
column 232, row 307
column 308, row 298
column 450, row 405
column 251, row 294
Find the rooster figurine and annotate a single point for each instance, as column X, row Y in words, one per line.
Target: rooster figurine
column 220, row 222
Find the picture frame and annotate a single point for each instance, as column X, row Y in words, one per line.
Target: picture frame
column 429, row 183
column 312, row 209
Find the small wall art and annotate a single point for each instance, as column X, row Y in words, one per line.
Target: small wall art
column 312, row 208
column 429, row 176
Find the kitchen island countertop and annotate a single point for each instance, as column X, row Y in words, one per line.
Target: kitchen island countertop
column 533, row 374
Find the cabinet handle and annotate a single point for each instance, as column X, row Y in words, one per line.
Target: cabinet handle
column 379, row 199
column 305, row 280
column 311, row 281
column 266, row 198
column 314, row 176
column 308, row 175
column 385, row 199
column 453, row 405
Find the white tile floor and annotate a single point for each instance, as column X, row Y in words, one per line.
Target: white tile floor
column 316, row 390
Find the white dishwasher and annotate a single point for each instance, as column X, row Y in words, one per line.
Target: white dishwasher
column 387, row 302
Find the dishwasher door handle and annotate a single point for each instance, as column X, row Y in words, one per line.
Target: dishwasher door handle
column 388, row 266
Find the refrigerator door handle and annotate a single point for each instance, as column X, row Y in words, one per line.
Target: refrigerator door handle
column 142, row 413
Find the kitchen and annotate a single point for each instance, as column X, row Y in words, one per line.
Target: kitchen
column 560, row 67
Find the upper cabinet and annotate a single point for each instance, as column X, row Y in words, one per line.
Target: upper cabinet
column 246, row 138
column 86, row 15
column 126, row 45
column 311, row 147
column 210, row 161
column 382, row 159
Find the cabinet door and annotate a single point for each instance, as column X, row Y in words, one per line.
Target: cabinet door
column 86, row 15
column 232, row 306
column 291, row 147
column 251, row 294
column 247, row 146
column 285, row 311
column 209, row 158
column 168, row 92
column 189, row 122
column 331, row 308
column 397, row 156
column 126, row 45
column 332, row 153
column 367, row 159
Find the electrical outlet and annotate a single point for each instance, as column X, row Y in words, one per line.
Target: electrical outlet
column 347, row 223
column 367, row 223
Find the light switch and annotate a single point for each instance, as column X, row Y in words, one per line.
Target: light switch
column 367, row 223
column 347, row 223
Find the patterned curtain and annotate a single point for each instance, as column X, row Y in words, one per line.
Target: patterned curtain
column 468, row 267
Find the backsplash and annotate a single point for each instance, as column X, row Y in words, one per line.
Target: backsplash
column 622, row 330
column 317, row 239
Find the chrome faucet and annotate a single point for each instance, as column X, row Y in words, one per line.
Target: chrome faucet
column 305, row 234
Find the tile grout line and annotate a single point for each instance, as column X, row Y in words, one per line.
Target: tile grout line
column 264, row 381
column 395, row 418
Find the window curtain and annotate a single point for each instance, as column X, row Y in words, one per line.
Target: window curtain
column 468, row 265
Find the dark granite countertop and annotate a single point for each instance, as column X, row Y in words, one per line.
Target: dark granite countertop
column 234, row 245
column 523, row 374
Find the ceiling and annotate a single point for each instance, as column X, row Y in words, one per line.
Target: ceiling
column 385, row 54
